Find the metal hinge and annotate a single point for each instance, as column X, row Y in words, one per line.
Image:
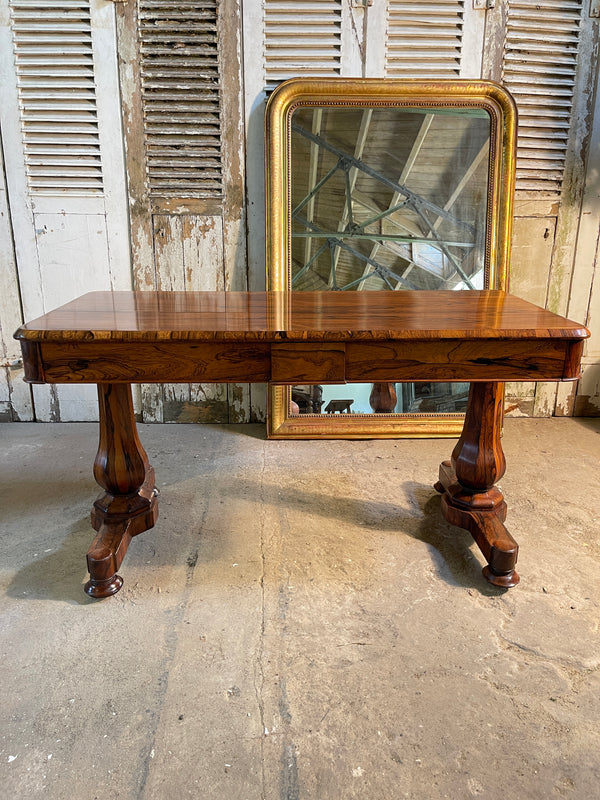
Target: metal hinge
column 361, row 3
column 12, row 363
column 478, row 4
column 595, row 8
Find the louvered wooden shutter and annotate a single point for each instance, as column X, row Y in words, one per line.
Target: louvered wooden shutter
column 540, row 56
column 302, row 38
column 55, row 77
column 181, row 97
column 424, row 39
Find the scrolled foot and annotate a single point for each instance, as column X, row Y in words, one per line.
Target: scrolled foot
column 505, row 580
column 106, row 588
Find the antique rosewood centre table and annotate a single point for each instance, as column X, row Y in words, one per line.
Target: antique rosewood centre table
column 121, row 338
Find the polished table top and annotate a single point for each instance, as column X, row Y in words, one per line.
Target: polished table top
column 298, row 316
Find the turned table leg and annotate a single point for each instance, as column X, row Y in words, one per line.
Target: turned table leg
column 470, row 499
column 128, row 505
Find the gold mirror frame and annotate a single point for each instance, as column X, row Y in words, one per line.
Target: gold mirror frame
column 381, row 93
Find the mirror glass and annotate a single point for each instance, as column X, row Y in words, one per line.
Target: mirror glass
column 387, row 199
column 401, row 189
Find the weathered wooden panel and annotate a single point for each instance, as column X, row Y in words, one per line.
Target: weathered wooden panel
column 189, row 257
column 182, row 110
column 437, row 40
column 533, row 240
column 74, row 259
column 15, row 396
column 584, row 299
column 64, row 167
column 587, row 400
column 551, row 65
column 306, row 43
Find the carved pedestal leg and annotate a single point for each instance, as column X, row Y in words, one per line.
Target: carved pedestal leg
column 470, row 499
column 128, row 505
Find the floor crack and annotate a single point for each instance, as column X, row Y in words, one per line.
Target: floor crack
column 259, row 674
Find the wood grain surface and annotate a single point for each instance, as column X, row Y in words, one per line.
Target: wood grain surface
column 300, row 337
column 305, row 316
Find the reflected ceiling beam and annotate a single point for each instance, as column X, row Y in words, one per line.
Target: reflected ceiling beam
column 384, row 272
column 313, row 166
column 359, row 233
column 442, row 246
column 396, row 197
column 462, row 184
column 351, row 178
column 474, row 166
column 418, row 261
column 360, row 165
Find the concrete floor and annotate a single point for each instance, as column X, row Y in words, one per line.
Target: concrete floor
column 301, row 624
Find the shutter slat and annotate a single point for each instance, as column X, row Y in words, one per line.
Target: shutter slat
column 55, row 75
column 180, row 97
column 540, row 59
column 424, row 40
column 304, row 40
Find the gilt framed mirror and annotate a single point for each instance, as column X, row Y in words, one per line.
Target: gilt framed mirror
column 385, row 185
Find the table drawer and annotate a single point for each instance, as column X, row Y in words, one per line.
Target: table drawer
column 308, row 363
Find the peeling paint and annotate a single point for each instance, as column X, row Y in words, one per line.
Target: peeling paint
column 54, row 405
column 211, row 411
column 587, row 406
column 520, row 408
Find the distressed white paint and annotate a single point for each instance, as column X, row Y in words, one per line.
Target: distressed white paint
column 376, row 32
column 15, row 395
column 437, row 40
column 67, row 241
column 254, row 111
column 473, row 34
column 74, row 259
column 110, row 131
column 584, row 298
column 16, row 178
column 188, row 257
column 353, row 40
column 563, row 257
column 533, row 240
column 588, row 391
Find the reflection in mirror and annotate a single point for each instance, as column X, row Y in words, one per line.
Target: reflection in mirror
column 388, row 199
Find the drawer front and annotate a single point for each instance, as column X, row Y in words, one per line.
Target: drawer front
column 308, row 363
column 155, row 362
column 458, row 360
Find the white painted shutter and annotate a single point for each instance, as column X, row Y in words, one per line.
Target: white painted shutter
column 63, row 148
column 302, row 39
column 539, row 66
column 180, row 97
column 424, row 40
column 55, row 79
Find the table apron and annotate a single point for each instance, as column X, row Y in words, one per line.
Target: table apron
column 452, row 360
